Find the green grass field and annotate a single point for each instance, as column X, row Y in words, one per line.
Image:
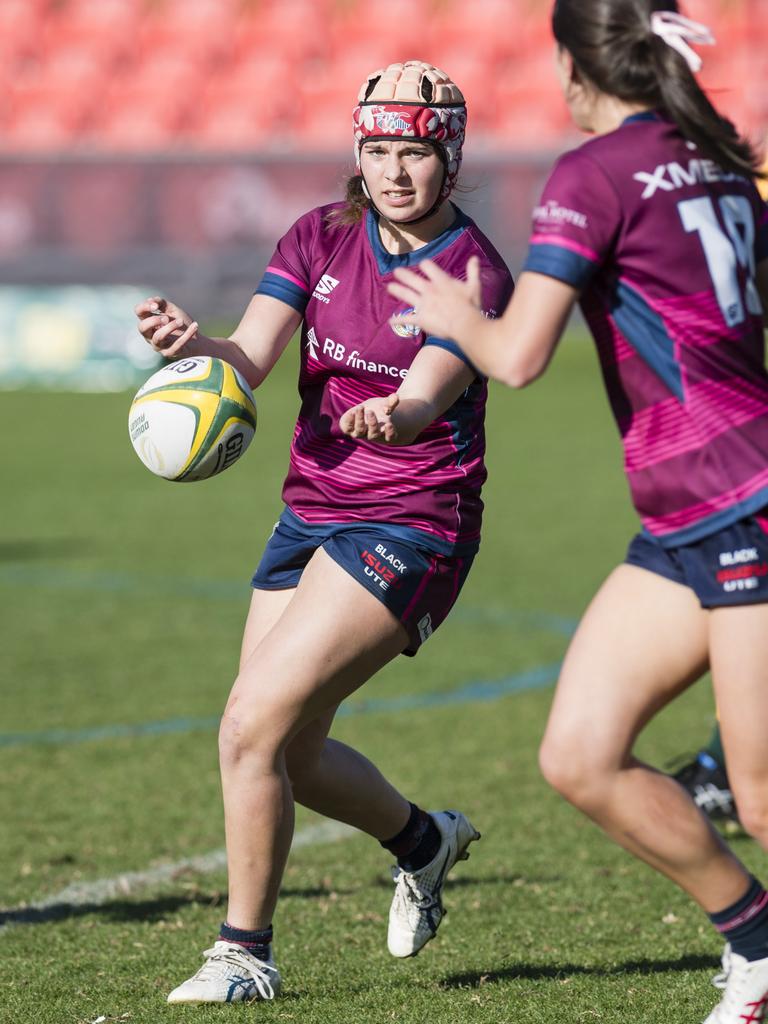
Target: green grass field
column 123, row 599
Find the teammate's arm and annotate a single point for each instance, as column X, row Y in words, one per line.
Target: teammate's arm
column 435, row 380
column 516, row 348
column 253, row 348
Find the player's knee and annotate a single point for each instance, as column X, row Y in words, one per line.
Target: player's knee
column 249, row 733
column 753, row 815
column 570, row 770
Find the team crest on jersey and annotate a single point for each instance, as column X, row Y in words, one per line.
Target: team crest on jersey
column 406, row 330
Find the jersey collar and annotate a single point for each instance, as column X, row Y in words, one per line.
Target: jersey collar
column 388, row 261
column 644, row 115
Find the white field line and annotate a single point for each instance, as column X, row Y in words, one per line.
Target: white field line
column 102, row 890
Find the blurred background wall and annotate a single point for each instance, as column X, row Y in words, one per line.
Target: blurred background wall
column 165, row 145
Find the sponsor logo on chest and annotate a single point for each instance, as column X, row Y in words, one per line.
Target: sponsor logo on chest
column 334, row 352
column 324, row 287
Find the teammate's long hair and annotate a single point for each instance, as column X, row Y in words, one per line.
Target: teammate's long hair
column 614, row 49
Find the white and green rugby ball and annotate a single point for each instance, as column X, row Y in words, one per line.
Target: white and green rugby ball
column 192, row 419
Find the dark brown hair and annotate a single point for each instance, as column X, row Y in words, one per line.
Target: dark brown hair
column 614, row 49
column 356, row 202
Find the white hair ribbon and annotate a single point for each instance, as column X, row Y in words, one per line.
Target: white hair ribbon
column 678, row 31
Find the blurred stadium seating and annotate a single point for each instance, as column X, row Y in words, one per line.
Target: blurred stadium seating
column 233, row 75
column 169, row 143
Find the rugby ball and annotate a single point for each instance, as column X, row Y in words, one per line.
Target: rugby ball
column 192, row 419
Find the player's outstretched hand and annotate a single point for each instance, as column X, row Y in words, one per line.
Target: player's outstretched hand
column 165, row 326
column 371, row 420
column 439, row 302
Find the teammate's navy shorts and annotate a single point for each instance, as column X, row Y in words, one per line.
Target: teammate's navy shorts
column 727, row 568
column 418, row 585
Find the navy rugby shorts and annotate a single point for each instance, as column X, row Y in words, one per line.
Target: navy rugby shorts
column 418, row 585
column 729, row 567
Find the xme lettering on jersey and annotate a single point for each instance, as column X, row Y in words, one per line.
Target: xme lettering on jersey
column 668, row 177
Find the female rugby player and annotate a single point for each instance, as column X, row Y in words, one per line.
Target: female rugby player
column 656, row 227
column 381, row 521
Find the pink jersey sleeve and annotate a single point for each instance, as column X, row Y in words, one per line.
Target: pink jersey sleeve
column 287, row 274
column 576, row 221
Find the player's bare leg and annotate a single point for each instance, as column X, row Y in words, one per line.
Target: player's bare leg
column 328, row 776
column 739, row 658
column 332, row 636
column 643, row 640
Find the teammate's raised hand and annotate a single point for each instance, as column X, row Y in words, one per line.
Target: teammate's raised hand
column 164, row 325
column 439, row 302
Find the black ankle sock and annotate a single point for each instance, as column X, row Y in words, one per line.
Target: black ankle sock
column 417, row 844
column 745, row 923
column 256, row 943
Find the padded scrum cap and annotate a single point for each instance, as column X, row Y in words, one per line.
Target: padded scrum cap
column 413, row 100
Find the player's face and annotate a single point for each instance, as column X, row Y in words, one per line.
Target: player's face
column 403, row 178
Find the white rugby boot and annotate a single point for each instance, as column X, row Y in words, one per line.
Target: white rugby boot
column 230, row 974
column 417, row 906
column 745, row 995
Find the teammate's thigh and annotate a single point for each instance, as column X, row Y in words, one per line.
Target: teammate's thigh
column 641, row 642
column 331, row 636
column 739, row 658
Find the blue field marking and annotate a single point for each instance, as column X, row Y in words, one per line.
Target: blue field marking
column 58, row 578
column 470, row 693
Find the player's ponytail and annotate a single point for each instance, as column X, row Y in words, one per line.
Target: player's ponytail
column 622, row 52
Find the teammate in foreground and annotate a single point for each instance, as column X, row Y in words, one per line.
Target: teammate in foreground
column 382, row 517
column 656, row 227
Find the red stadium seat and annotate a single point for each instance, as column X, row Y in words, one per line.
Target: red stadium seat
column 242, row 126
column 397, row 28
column 203, row 30
column 109, row 26
column 293, row 29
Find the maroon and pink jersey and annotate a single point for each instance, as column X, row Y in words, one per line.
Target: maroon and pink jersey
column 663, row 245
column 335, row 275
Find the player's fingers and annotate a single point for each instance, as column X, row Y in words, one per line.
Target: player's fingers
column 149, row 324
column 432, row 272
column 152, row 306
column 405, row 294
column 473, row 279
column 181, row 341
column 391, row 402
column 160, row 339
column 358, row 426
column 409, row 277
